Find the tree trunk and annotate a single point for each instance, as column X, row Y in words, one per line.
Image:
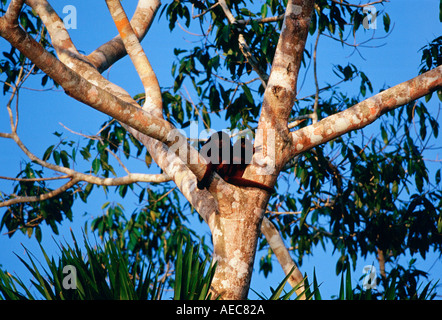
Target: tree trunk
column 235, row 232
column 234, row 214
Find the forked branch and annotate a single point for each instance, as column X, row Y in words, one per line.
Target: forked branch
column 110, row 52
column 153, row 101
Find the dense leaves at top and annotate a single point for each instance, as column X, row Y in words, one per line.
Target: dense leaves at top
column 366, row 194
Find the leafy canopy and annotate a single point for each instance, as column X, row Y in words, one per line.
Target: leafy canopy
column 363, row 195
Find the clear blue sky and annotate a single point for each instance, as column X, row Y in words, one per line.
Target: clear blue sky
column 415, row 24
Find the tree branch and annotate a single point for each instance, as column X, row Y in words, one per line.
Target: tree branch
column 282, row 254
column 281, row 88
column 128, row 113
column 60, row 38
column 13, row 11
column 365, row 112
column 153, row 100
column 110, row 52
column 156, row 133
column 82, row 90
column 40, row 197
column 69, row 55
column 315, row 74
column 262, row 20
column 201, row 200
column 358, row 5
column 205, row 11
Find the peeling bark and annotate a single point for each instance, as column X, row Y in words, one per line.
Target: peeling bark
column 234, row 214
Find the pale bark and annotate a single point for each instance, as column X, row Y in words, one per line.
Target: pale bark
column 235, row 215
column 365, row 112
column 241, row 213
column 283, row 255
column 113, row 50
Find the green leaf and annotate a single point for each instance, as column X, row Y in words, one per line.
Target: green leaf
column 264, row 9
column 439, row 224
column 85, row 153
column 390, row 291
column 348, row 288
column 64, row 158
column 178, row 274
column 122, row 190
column 96, row 165
column 56, row 156
column 248, row 94
column 48, row 153
column 440, row 10
column 316, row 292
column 341, row 289
column 387, row 21
column 384, row 135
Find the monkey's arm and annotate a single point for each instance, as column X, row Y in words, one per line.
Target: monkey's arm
column 241, row 182
column 204, row 182
column 235, row 180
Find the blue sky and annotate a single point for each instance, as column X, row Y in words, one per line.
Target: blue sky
column 415, row 24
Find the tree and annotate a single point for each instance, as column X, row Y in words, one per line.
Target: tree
column 375, row 196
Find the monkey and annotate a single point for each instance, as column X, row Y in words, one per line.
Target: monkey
column 228, row 161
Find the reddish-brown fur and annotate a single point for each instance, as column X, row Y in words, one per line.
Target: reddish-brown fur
column 231, row 168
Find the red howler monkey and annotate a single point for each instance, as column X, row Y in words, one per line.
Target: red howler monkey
column 228, row 161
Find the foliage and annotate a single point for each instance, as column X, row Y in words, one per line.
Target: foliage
column 13, row 60
column 394, row 289
column 105, row 273
column 280, row 294
column 192, row 282
column 27, row 217
column 101, row 273
column 363, row 193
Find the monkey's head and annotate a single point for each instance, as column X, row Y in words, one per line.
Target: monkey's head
column 217, row 148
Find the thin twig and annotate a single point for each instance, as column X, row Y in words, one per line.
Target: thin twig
column 205, row 11
column 358, row 5
column 315, row 74
column 195, row 108
column 40, row 197
column 118, row 160
column 244, row 47
column 35, row 179
column 261, row 20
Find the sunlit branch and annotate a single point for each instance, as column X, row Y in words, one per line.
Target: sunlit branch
column 205, row 11
column 365, row 112
column 41, row 197
column 13, row 11
column 358, row 5
column 61, row 40
column 110, row 52
column 153, row 101
column 282, row 254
